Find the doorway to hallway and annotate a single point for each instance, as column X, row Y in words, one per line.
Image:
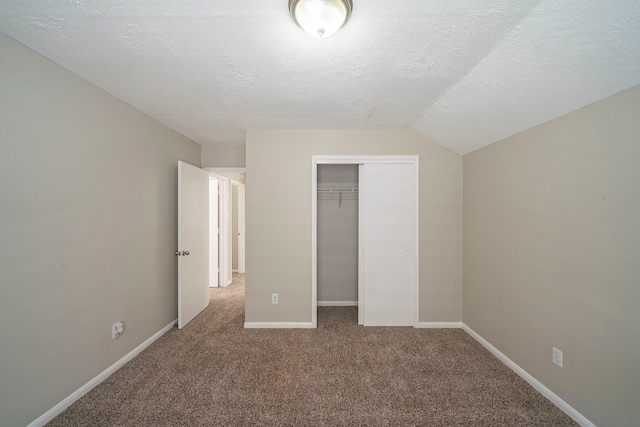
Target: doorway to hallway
column 227, row 224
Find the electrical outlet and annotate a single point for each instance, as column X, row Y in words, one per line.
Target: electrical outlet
column 274, row 298
column 557, row 357
column 117, row 329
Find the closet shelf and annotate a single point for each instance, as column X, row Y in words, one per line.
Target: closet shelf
column 340, row 193
column 337, row 190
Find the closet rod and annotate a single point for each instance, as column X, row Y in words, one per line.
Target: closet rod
column 337, row 190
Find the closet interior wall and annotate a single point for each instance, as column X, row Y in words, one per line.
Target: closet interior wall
column 337, row 235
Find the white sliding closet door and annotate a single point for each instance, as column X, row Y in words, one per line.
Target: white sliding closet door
column 388, row 239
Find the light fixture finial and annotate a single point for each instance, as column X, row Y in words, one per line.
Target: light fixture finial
column 320, row 18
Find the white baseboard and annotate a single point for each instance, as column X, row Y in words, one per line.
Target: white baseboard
column 278, row 325
column 564, row 406
column 337, row 303
column 440, row 325
column 56, row 410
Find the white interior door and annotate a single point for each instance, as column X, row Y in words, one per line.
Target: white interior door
column 225, row 231
column 193, row 242
column 213, row 233
column 241, row 221
column 388, row 239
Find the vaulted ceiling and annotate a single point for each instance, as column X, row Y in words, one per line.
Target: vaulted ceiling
column 466, row 73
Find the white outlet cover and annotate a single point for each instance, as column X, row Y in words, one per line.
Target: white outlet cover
column 117, row 329
column 557, row 357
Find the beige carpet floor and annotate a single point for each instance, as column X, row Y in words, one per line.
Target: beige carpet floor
column 215, row 373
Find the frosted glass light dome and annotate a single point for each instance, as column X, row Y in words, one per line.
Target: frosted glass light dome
column 320, row 18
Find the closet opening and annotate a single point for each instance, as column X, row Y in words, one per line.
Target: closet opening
column 337, row 238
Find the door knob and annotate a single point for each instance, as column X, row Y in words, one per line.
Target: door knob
column 185, row 253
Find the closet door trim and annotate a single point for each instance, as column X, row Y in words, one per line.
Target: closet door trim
column 358, row 160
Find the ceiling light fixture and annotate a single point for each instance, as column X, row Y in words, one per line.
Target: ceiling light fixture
column 320, row 18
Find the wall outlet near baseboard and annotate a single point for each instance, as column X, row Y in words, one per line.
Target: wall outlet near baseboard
column 274, row 298
column 557, row 357
column 117, row 329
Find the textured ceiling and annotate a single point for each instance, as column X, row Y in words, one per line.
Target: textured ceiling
column 464, row 72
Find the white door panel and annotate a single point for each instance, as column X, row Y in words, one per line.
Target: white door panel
column 388, row 242
column 213, row 233
column 193, row 242
column 241, row 228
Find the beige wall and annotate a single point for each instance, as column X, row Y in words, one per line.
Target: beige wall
column 279, row 218
column 552, row 254
column 223, row 156
column 87, row 230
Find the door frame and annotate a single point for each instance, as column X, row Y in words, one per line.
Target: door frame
column 359, row 160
